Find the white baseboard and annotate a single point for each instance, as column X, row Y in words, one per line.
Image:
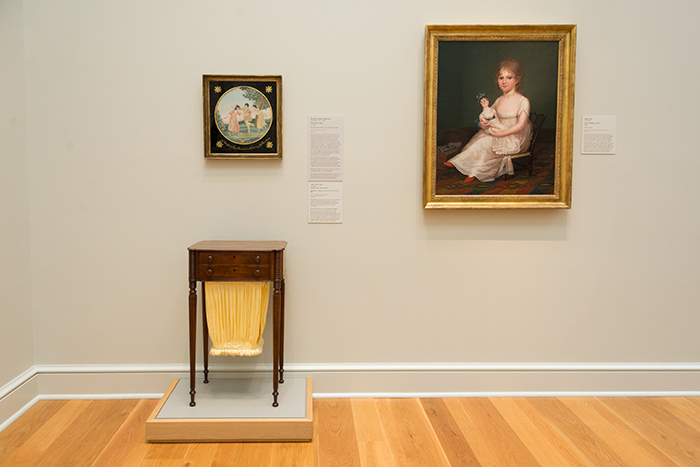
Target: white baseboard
column 364, row 380
column 505, row 380
column 18, row 400
column 19, row 381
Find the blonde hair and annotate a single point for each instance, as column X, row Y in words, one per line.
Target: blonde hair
column 514, row 67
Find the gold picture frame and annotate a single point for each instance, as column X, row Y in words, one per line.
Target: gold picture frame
column 460, row 66
column 242, row 116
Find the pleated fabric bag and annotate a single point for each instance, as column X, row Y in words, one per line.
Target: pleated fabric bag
column 236, row 314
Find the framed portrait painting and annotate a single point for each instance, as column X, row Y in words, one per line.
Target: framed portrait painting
column 498, row 116
column 242, row 117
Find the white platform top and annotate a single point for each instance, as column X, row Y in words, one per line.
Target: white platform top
column 236, row 398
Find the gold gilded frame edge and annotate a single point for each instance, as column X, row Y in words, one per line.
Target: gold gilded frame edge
column 565, row 35
column 277, row 79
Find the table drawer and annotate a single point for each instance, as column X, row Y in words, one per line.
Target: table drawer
column 228, row 257
column 213, row 272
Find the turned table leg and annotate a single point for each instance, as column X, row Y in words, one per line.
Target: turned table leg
column 277, row 312
column 193, row 338
column 205, row 332
column 281, row 368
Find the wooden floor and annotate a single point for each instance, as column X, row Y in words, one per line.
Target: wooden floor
column 494, row 432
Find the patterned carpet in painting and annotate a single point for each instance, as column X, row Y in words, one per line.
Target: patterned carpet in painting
column 450, row 182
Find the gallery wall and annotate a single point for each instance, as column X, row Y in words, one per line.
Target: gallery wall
column 16, row 333
column 119, row 188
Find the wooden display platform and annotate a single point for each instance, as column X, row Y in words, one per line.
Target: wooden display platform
column 233, row 410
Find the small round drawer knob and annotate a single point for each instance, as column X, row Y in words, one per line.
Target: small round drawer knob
column 209, row 272
column 210, row 258
column 257, row 273
column 257, row 259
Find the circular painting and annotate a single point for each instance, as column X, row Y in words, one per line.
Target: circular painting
column 243, row 115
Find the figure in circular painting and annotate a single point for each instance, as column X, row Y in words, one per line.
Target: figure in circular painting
column 232, row 120
column 251, row 117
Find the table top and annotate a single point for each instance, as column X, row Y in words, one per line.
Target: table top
column 235, row 245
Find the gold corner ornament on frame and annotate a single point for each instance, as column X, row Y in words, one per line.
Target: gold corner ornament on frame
column 242, row 116
column 498, row 116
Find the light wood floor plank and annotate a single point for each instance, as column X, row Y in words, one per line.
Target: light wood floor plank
column 519, row 432
column 587, row 442
column 166, row 451
column 470, row 429
column 629, row 444
column 200, row 454
column 262, row 454
column 670, row 435
column 127, row 447
column 455, row 446
column 368, row 427
column 336, row 433
column 692, row 400
column 294, row 455
column 225, row 455
column 78, row 446
column 410, row 436
column 375, row 454
column 497, row 444
column 270, row 455
column 14, row 436
column 683, row 408
column 371, row 440
column 31, row 452
column 563, row 445
column 544, row 442
column 160, row 463
column 316, row 425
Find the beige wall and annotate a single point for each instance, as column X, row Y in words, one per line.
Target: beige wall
column 120, row 188
column 16, row 336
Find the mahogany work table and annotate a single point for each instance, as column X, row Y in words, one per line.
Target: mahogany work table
column 237, row 261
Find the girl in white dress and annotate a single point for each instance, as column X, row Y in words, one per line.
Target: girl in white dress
column 486, row 155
